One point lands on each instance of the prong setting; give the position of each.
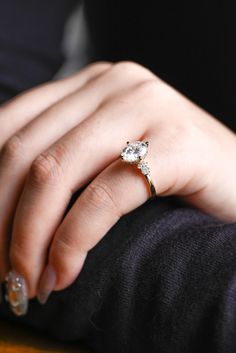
(134, 152)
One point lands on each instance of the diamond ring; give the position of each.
(135, 153)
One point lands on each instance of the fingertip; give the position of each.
(56, 278)
(47, 284)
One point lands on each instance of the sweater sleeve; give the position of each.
(30, 42)
(163, 279)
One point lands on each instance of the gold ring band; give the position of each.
(152, 187)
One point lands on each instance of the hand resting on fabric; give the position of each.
(68, 134)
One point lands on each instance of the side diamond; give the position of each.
(144, 168)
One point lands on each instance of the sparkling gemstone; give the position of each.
(134, 151)
(144, 168)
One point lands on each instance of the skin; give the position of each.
(68, 134)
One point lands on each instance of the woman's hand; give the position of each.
(66, 135)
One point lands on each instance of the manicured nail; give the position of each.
(47, 284)
(16, 293)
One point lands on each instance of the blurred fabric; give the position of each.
(75, 43)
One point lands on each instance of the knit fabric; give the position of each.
(162, 280)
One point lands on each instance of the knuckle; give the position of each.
(94, 70)
(100, 195)
(63, 244)
(149, 89)
(125, 69)
(100, 65)
(45, 169)
(127, 66)
(13, 149)
(66, 244)
(132, 68)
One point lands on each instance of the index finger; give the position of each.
(20, 110)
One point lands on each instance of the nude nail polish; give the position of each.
(47, 284)
(16, 293)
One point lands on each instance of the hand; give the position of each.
(67, 135)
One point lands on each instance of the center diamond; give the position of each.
(134, 151)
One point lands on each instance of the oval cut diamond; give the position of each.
(134, 152)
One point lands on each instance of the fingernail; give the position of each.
(16, 293)
(47, 284)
